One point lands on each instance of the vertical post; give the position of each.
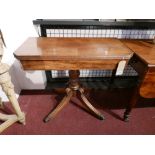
(74, 79)
(131, 104)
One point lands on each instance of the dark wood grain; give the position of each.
(147, 89)
(144, 49)
(145, 61)
(70, 64)
(92, 53)
(72, 49)
(74, 87)
(72, 54)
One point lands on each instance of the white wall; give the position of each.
(20, 78)
(16, 25)
(16, 18)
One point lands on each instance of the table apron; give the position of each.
(69, 65)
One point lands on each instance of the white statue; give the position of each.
(8, 88)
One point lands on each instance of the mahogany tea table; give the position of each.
(73, 54)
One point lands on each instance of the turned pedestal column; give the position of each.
(73, 88)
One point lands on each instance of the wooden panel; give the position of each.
(139, 66)
(145, 49)
(44, 48)
(68, 65)
(146, 77)
(147, 89)
(145, 65)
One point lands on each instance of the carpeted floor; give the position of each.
(75, 120)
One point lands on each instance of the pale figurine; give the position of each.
(8, 88)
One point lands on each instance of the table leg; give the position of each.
(89, 105)
(61, 105)
(74, 87)
(131, 104)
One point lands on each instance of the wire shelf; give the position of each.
(79, 29)
(90, 32)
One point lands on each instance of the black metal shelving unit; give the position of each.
(45, 24)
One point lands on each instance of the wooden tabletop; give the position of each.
(44, 48)
(144, 49)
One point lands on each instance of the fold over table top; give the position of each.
(43, 48)
(144, 49)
